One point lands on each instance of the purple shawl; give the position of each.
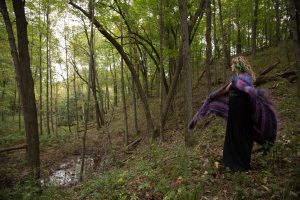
(265, 119)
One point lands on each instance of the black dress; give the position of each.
(238, 140)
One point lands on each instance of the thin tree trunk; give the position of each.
(67, 82)
(161, 30)
(224, 45)
(20, 110)
(114, 76)
(107, 93)
(277, 40)
(101, 100)
(228, 38)
(126, 139)
(134, 96)
(21, 62)
(40, 73)
(187, 70)
(47, 74)
(51, 88)
(56, 108)
(86, 113)
(93, 68)
(216, 42)
(15, 101)
(254, 27)
(239, 39)
(75, 99)
(295, 16)
(208, 45)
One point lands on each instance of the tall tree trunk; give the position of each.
(277, 40)
(101, 100)
(295, 16)
(75, 95)
(40, 73)
(216, 42)
(47, 74)
(254, 27)
(114, 76)
(187, 70)
(21, 62)
(238, 39)
(126, 139)
(67, 81)
(173, 86)
(161, 32)
(93, 68)
(228, 32)
(15, 100)
(135, 97)
(56, 108)
(224, 45)
(51, 87)
(107, 96)
(208, 45)
(20, 110)
(86, 118)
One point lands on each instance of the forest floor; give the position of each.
(169, 170)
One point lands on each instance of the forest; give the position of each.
(96, 97)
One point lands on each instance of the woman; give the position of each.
(250, 115)
(238, 140)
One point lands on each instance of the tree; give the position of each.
(93, 73)
(187, 70)
(123, 96)
(208, 45)
(224, 44)
(21, 60)
(295, 16)
(48, 67)
(254, 27)
(277, 39)
(170, 97)
(40, 72)
(161, 30)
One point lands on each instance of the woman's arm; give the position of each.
(224, 91)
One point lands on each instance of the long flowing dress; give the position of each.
(238, 140)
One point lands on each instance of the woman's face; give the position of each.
(233, 66)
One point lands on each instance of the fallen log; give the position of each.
(290, 75)
(24, 146)
(270, 68)
(134, 143)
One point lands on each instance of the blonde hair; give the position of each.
(241, 60)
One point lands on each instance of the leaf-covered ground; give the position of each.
(169, 170)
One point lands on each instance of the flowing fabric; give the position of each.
(264, 117)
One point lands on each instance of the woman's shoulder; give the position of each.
(244, 77)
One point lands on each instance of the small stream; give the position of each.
(68, 172)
